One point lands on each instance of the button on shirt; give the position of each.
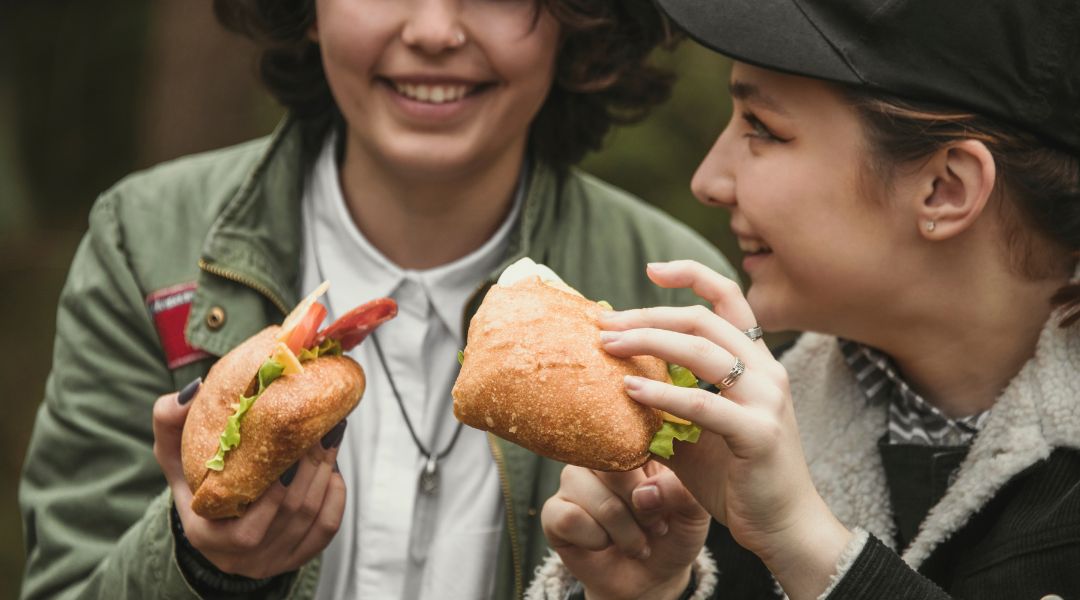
(395, 542)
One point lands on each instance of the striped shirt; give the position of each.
(912, 420)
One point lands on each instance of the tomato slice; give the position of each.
(303, 334)
(355, 325)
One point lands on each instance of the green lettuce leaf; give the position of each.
(663, 442)
(230, 438)
(681, 376)
(460, 357)
(329, 347)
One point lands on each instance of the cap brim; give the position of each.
(774, 34)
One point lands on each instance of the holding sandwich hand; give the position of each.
(626, 535)
(292, 522)
(748, 468)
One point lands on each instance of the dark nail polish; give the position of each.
(336, 468)
(188, 392)
(333, 437)
(287, 477)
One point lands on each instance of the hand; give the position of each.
(282, 530)
(748, 468)
(626, 535)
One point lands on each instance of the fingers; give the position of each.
(324, 526)
(706, 409)
(704, 358)
(691, 320)
(304, 499)
(169, 414)
(722, 293)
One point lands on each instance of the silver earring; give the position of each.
(930, 225)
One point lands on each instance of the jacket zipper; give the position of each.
(247, 281)
(511, 522)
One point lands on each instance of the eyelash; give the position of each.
(760, 131)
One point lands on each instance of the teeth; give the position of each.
(753, 247)
(432, 94)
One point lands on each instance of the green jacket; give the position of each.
(94, 502)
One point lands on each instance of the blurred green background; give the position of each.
(92, 91)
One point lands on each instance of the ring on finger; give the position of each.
(736, 371)
(754, 333)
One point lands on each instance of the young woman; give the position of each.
(429, 143)
(904, 178)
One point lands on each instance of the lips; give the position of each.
(753, 247)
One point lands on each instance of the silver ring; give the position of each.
(736, 371)
(754, 333)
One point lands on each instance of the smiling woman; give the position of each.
(428, 144)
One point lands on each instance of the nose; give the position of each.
(434, 26)
(713, 183)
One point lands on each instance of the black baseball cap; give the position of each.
(1014, 60)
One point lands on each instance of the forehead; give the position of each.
(788, 95)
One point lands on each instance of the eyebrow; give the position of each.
(748, 92)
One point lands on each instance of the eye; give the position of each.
(759, 130)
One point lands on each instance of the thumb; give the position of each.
(663, 493)
(170, 413)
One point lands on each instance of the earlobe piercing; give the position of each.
(930, 225)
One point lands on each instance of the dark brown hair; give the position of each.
(602, 75)
(1039, 184)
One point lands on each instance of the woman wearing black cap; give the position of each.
(904, 178)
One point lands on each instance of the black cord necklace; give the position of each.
(429, 477)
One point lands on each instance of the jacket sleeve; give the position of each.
(93, 501)
(878, 572)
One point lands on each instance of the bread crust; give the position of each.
(292, 415)
(535, 374)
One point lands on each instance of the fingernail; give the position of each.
(645, 552)
(646, 497)
(658, 266)
(633, 383)
(610, 336)
(660, 529)
(188, 392)
(333, 438)
(287, 477)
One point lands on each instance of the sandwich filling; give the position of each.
(300, 340)
(283, 362)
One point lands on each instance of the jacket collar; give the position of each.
(1037, 412)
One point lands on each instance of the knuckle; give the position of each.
(246, 539)
(610, 510)
(328, 524)
(699, 405)
(700, 347)
(309, 510)
(291, 504)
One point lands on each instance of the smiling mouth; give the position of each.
(754, 248)
(430, 93)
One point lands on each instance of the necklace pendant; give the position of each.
(429, 477)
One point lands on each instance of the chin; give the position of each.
(771, 314)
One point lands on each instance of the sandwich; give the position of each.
(267, 401)
(534, 373)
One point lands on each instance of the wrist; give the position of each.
(203, 576)
(678, 587)
(804, 556)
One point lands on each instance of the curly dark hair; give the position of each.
(602, 77)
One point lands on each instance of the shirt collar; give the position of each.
(342, 248)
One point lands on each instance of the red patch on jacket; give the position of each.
(170, 308)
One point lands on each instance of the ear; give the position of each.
(963, 181)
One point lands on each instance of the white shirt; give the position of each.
(395, 542)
